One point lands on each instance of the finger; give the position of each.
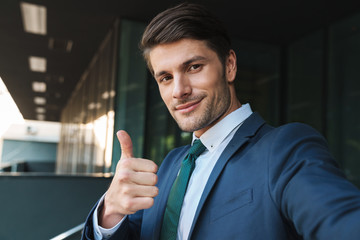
(135, 204)
(144, 165)
(125, 144)
(145, 202)
(144, 178)
(138, 165)
(144, 191)
(129, 176)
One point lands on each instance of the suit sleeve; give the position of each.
(308, 187)
(129, 229)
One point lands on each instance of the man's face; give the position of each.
(193, 83)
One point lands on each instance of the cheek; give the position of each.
(210, 78)
(165, 95)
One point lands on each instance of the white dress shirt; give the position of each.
(215, 140)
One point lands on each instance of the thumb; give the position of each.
(125, 144)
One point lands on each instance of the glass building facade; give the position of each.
(314, 80)
(85, 144)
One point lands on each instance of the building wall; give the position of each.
(26, 151)
(313, 79)
(42, 206)
(30, 141)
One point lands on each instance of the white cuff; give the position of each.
(100, 232)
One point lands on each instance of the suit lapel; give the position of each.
(243, 134)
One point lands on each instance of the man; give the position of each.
(248, 181)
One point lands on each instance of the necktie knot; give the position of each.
(197, 148)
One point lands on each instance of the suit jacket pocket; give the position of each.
(232, 203)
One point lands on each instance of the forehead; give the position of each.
(177, 53)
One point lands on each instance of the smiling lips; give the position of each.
(187, 107)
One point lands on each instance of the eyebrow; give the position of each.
(184, 64)
(193, 59)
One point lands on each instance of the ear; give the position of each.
(231, 67)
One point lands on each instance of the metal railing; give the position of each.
(73, 233)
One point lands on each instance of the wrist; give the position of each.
(107, 218)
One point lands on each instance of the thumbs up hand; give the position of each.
(132, 188)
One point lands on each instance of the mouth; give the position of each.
(188, 107)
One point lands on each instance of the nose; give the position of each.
(182, 87)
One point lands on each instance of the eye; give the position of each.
(195, 67)
(165, 78)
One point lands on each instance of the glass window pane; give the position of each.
(305, 79)
(257, 80)
(344, 95)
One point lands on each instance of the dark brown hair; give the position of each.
(186, 20)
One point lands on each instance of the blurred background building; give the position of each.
(74, 71)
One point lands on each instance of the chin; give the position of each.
(187, 127)
(191, 125)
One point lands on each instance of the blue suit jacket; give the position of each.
(269, 183)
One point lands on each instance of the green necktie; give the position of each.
(177, 193)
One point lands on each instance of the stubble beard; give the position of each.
(214, 109)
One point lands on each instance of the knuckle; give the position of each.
(128, 204)
(126, 190)
(124, 176)
(125, 163)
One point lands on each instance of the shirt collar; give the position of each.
(216, 134)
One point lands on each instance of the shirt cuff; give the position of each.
(100, 232)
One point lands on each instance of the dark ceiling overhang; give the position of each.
(85, 23)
